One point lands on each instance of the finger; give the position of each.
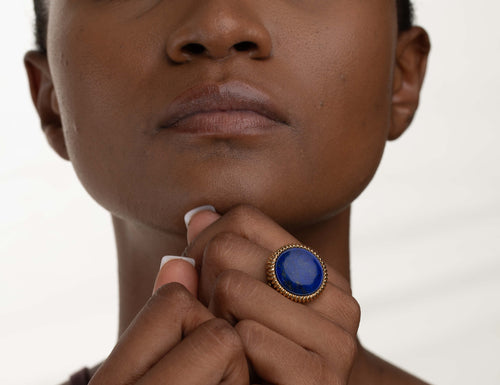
(339, 307)
(278, 360)
(211, 355)
(171, 313)
(177, 269)
(238, 297)
(251, 224)
(245, 221)
(198, 219)
(228, 251)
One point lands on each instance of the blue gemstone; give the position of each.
(299, 271)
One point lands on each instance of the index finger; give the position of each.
(245, 221)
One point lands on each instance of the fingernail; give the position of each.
(168, 258)
(190, 214)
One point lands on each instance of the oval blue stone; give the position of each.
(299, 271)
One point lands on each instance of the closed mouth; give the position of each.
(222, 108)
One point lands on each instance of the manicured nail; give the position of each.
(168, 258)
(190, 214)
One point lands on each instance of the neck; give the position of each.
(140, 249)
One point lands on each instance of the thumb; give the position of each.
(198, 220)
(177, 269)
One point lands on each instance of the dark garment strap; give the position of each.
(80, 378)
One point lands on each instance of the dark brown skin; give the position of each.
(347, 82)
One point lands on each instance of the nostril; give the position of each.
(245, 46)
(193, 48)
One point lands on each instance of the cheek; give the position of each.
(104, 103)
(346, 103)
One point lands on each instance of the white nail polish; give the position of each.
(168, 258)
(190, 214)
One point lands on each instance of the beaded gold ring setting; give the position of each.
(297, 272)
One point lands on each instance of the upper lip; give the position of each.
(214, 97)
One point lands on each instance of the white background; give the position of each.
(426, 266)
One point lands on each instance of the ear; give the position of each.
(412, 51)
(45, 100)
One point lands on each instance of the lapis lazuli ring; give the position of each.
(297, 272)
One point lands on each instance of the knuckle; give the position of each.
(349, 351)
(341, 308)
(250, 332)
(355, 311)
(331, 339)
(228, 291)
(172, 296)
(171, 291)
(343, 345)
(171, 301)
(325, 374)
(227, 286)
(351, 346)
(222, 336)
(320, 371)
(336, 379)
(219, 246)
(245, 210)
(352, 311)
(243, 214)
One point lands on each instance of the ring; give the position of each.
(297, 272)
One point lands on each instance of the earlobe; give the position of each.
(45, 100)
(411, 62)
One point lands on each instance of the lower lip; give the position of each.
(224, 123)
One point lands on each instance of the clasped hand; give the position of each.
(225, 325)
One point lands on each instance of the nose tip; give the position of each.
(218, 36)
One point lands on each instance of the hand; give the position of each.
(286, 342)
(175, 340)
